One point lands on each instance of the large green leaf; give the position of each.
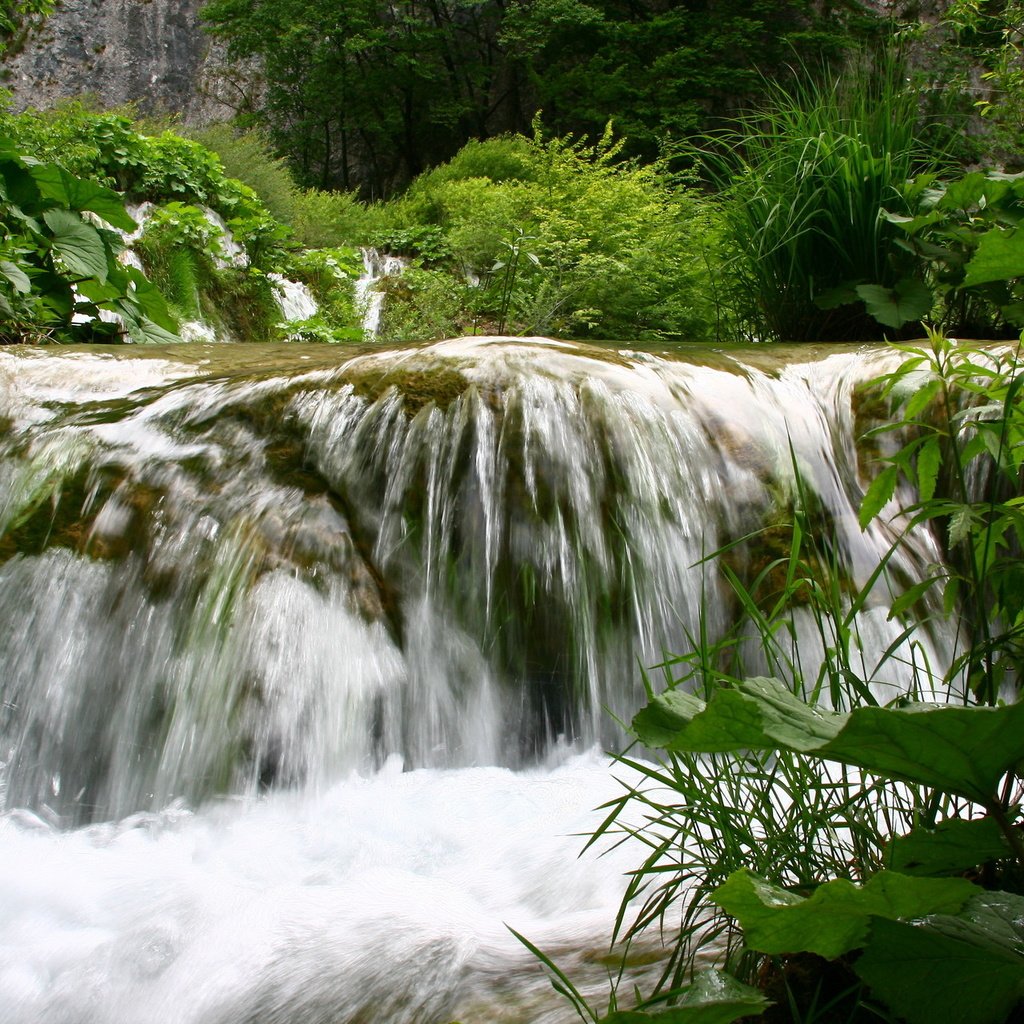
(140, 328)
(713, 998)
(951, 847)
(82, 194)
(148, 299)
(836, 917)
(999, 257)
(78, 244)
(16, 276)
(967, 967)
(957, 749)
(908, 300)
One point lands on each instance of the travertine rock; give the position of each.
(150, 52)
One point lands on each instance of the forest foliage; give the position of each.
(369, 94)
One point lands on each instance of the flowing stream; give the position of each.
(308, 655)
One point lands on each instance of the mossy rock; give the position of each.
(418, 387)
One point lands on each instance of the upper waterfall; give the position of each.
(227, 570)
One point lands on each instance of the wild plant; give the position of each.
(804, 180)
(856, 860)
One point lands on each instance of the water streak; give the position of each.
(303, 650)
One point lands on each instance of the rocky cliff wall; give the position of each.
(150, 52)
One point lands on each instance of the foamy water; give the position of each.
(381, 898)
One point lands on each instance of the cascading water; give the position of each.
(369, 298)
(306, 654)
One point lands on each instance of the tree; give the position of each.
(366, 93)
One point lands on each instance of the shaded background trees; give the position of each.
(367, 94)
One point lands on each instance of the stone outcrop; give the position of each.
(153, 53)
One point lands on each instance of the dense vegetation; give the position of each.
(369, 94)
(838, 206)
(833, 209)
(857, 862)
(206, 241)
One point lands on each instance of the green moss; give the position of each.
(439, 386)
(243, 305)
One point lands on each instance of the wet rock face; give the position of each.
(150, 52)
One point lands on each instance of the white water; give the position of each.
(294, 299)
(369, 298)
(380, 898)
(259, 582)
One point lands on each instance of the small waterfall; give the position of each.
(284, 626)
(294, 299)
(376, 267)
(457, 555)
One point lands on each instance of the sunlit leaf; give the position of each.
(999, 257)
(82, 194)
(78, 244)
(878, 495)
(836, 917)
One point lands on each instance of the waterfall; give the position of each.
(294, 299)
(369, 298)
(306, 653)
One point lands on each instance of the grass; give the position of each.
(803, 183)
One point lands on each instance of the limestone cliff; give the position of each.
(151, 52)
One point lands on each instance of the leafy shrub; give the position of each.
(330, 275)
(247, 157)
(108, 148)
(424, 305)
(804, 181)
(616, 250)
(969, 250)
(59, 268)
(319, 220)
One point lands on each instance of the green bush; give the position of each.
(330, 274)
(319, 220)
(424, 305)
(615, 250)
(110, 149)
(804, 181)
(969, 251)
(59, 268)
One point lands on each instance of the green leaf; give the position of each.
(951, 847)
(713, 998)
(964, 750)
(911, 596)
(945, 968)
(999, 257)
(18, 278)
(82, 194)
(929, 459)
(878, 495)
(961, 523)
(141, 329)
(147, 298)
(909, 300)
(836, 918)
(921, 398)
(833, 298)
(78, 244)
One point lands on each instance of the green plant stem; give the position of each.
(1013, 836)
